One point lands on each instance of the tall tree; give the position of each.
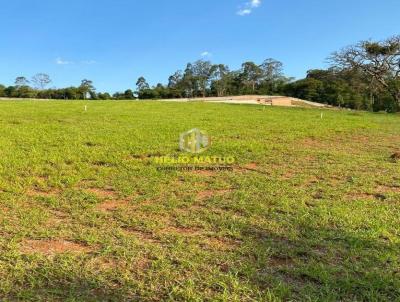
(202, 73)
(272, 70)
(220, 77)
(380, 61)
(251, 75)
(175, 79)
(87, 89)
(142, 84)
(21, 81)
(188, 81)
(41, 80)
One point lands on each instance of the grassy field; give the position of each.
(309, 212)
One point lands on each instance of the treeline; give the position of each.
(204, 79)
(23, 89)
(342, 88)
(363, 76)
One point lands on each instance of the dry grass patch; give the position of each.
(279, 262)
(365, 196)
(102, 193)
(112, 205)
(52, 247)
(41, 193)
(380, 193)
(312, 143)
(221, 244)
(251, 167)
(388, 189)
(142, 236)
(58, 218)
(211, 193)
(184, 231)
(103, 264)
(288, 175)
(354, 143)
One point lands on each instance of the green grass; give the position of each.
(310, 212)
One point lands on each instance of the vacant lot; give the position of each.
(310, 211)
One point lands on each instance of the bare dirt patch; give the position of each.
(221, 244)
(112, 205)
(102, 193)
(388, 189)
(51, 247)
(312, 143)
(251, 167)
(379, 193)
(140, 235)
(395, 156)
(288, 175)
(211, 193)
(312, 180)
(58, 218)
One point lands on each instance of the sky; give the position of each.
(114, 42)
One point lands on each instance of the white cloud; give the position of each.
(244, 12)
(248, 7)
(206, 54)
(60, 61)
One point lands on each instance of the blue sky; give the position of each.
(115, 42)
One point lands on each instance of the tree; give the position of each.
(272, 78)
(175, 85)
(142, 84)
(220, 77)
(379, 61)
(21, 81)
(129, 95)
(175, 79)
(87, 89)
(22, 88)
(104, 96)
(41, 80)
(251, 75)
(71, 93)
(271, 69)
(143, 89)
(202, 72)
(188, 81)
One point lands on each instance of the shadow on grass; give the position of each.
(325, 264)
